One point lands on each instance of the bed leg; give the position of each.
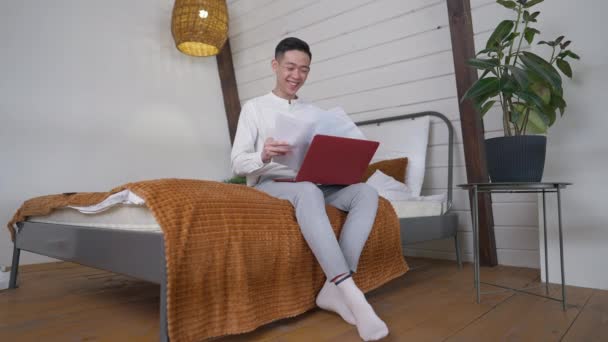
(164, 331)
(14, 267)
(457, 247)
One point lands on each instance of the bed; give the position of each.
(67, 236)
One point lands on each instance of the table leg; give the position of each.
(561, 246)
(546, 252)
(476, 242)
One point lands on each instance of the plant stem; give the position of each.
(525, 121)
(551, 61)
(504, 113)
(510, 106)
(521, 38)
(508, 58)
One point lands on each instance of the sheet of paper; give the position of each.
(298, 134)
(337, 123)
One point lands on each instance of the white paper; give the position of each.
(337, 123)
(299, 132)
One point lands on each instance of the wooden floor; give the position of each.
(433, 302)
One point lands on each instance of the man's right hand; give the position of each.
(273, 148)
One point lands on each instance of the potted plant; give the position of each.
(528, 88)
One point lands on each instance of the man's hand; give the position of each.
(273, 148)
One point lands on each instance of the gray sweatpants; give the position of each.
(361, 202)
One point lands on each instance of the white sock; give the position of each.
(330, 298)
(369, 325)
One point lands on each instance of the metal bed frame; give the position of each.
(113, 250)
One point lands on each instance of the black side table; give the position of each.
(544, 188)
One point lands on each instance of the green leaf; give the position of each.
(541, 67)
(488, 51)
(487, 72)
(507, 3)
(529, 33)
(483, 87)
(508, 85)
(559, 103)
(530, 18)
(484, 109)
(565, 44)
(534, 15)
(567, 53)
(502, 30)
(483, 64)
(572, 54)
(543, 42)
(532, 99)
(510, 37)
(559, 39)
(520, 75)
(532, 3)
(517, 113)
(551, 116)
(564, 67)
(537, 123)
(542, 90)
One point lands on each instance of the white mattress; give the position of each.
(121, 216)
(140, 218)
(406, 209)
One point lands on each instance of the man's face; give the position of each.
(291, 70)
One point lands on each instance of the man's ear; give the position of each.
(274, 64)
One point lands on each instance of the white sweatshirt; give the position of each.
(256, 122)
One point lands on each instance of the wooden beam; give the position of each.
(463, 48)
(230, 92)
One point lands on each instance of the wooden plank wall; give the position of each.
(378, 58)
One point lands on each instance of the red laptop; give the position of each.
(335, 160)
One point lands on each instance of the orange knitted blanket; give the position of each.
(235, 256)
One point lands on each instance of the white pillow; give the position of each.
(403, 138)
(388, 187)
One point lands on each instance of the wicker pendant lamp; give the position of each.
(200, 27)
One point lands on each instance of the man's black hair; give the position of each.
(291, 43)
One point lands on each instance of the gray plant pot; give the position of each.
(517, 158)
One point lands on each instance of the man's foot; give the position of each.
(369, 325)
(330, 298)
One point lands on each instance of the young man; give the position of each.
(252, 155)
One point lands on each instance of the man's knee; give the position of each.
(365, 190)
(308, 191)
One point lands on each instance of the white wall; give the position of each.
(378, 58)
(577, 151)
(93, 94)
